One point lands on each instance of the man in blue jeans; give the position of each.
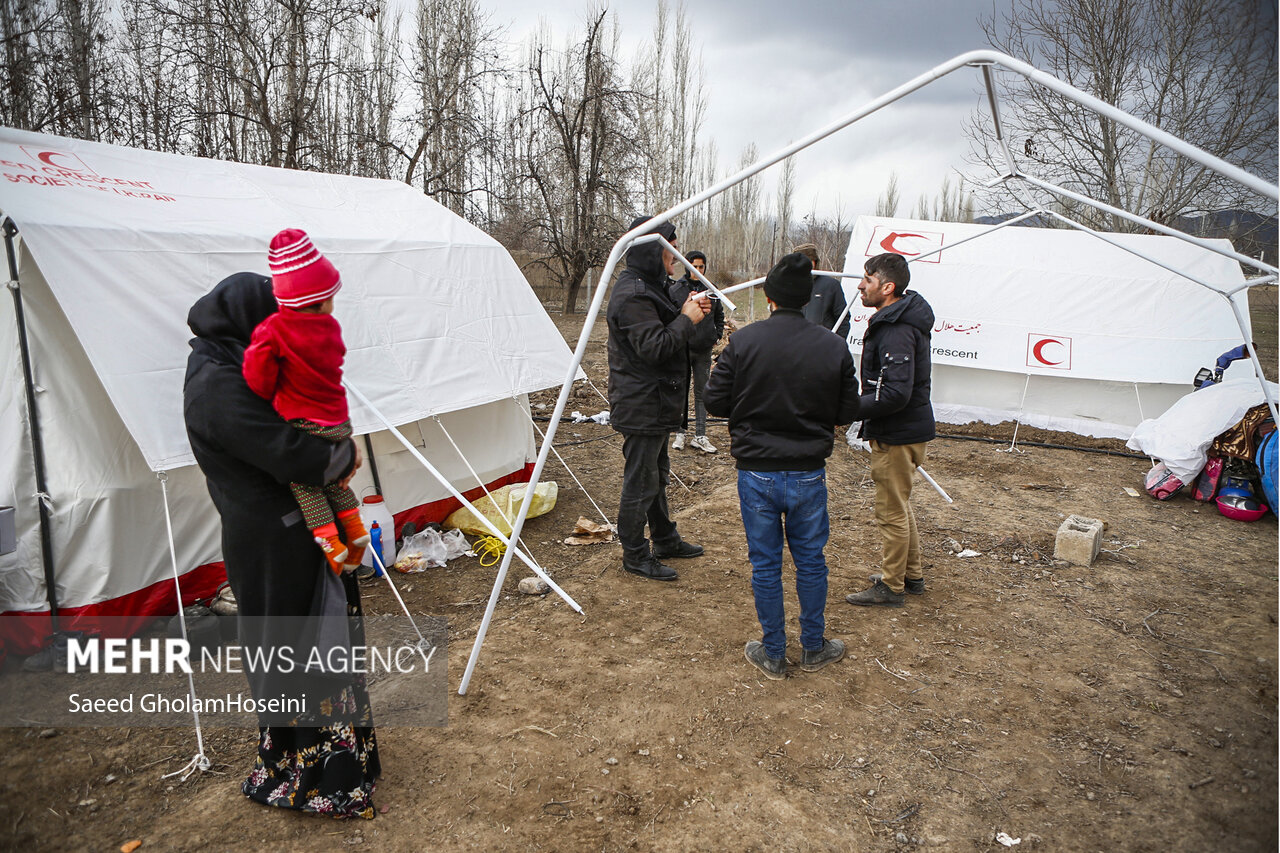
(784, 383)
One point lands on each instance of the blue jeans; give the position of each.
(797, 501)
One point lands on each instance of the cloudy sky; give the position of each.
(776, 71)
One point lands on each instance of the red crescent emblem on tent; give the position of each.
(888, 243)
(46, 157)
(1038, 351)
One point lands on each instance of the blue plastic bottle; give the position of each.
(375, 542)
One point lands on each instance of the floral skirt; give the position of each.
(327, 770)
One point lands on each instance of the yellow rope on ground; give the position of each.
(489, 549)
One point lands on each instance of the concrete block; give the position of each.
(1078, 540)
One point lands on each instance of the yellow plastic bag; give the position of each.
(508, 498)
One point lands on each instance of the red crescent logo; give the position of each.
(888, 246)
(1038, 351)
(46, 157)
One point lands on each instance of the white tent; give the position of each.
(1055, 328)
(113, 246)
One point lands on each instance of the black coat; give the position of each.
(249, 455)
(896, 368)
(648, 346)
(711, 329)
(827, 304)
(783, 383)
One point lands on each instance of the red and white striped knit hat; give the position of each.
(300, 275)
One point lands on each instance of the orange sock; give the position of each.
(334, 551)
(357, 537)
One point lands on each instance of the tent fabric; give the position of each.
(1180, 437)
(138, 236)
(1107, 338)
(437, 317)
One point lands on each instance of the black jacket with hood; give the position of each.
(648, 345)
(783, 383)
(827, 304)
(896, 369)
(249, 455)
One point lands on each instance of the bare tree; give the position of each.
(455, 57)
(1204, 72)
(579, 151)
(786, 191)
(671, 100)
(887, 204)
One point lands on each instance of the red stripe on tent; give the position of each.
(25, 632)
(439, 510)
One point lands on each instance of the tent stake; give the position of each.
(37, 443)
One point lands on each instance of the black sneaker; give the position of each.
(915, 586)
(648, 566)
(831, 651)
(878, 595)
(680, 550)
(775, 668)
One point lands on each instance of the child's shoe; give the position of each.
(357, 538)
(334, 551)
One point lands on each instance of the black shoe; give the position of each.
(775, 668)
(677, 551)
(649, 567)
(876, 595)
(831, 651)
(915, 586)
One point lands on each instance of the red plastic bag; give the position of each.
(1161, 484)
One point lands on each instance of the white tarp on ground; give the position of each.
(116, 244)
(1180, 438)
(1096, 338)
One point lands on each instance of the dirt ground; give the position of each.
(1127, 706)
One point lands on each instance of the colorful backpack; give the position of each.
(1206, 485)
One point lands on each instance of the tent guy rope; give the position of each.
(199, 763)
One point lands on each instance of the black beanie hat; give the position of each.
(790, 283)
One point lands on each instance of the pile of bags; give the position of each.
(1222, 442)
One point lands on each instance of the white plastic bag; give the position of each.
(455, 544)
(852, 437)
(421, 551)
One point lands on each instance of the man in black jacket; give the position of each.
(827, 303)
(704, 339)
(784, 384)
(897, 419)
(648, 370)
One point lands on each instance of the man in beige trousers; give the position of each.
(897, 420)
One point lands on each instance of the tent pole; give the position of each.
(373, 465)
(1253, 356)
(37, 443)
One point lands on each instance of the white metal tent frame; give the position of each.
(984, 60)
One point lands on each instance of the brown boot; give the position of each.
(878, 595)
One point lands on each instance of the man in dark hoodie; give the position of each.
(648, 368)
(897, 419)
(827, 303)
(784, 384)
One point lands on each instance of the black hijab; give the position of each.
(225, 317)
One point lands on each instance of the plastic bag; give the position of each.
(851, 436)
(507, 500)
(430, 549)
(455, 544)
(421, 551)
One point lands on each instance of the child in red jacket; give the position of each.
(295, 360)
